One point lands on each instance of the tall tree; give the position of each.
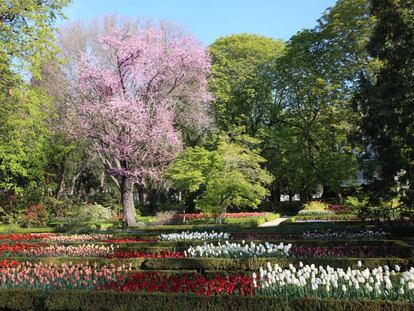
(385, 101)
(242, 93)
(130, 100)
(26, 38)
(23, 137)
(26, 35)
(307, 140)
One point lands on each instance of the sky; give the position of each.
(211, 19)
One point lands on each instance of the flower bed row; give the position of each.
(67, 276)
(273, 280)
(327, 235)
(239, 250)
(305, 281)
(217, 250)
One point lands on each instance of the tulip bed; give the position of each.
(243, 269)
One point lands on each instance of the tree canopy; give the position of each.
(242, 93)
(230, 175)
(385, 101)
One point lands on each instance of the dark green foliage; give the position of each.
(306, 141)
(385, 101)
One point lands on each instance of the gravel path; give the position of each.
(275, 222)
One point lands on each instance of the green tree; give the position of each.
(26, 39)
(385, 101)
(242, 93)
(230, 175)
(26, 36)
(307, 140)
(23, 138)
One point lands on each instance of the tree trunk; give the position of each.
(61, 178)
(73, 186)
(102, 182)
(339, 198)
(221, 216)
(60, 187)
(274, 196)
(127, 200)
(141, 199)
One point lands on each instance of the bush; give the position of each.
(166, 218)
(55, 207)
(287, 207)
(90, 214)
(327, 217)
(35, 215)
(315, 206)
(386, 210)
(339, 209)
(315, 212)
(10, 211)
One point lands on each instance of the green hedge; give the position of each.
(156, 247)
(8, 229)
(313, 304)
(224, 264)
(288, 228)
(36, 300)
(255, 221)
(221, 264)
(346, 217)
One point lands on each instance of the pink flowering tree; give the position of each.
(134, 96)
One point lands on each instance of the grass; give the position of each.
(13, 228)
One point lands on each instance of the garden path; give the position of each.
(275, 222)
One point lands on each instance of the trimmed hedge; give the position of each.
(336, 217)
(221, 264)
(224, 264)
(36, 300)
(284, 227)
(312, 304)
(307, 242)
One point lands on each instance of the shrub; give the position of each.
(10, 211)
(315, 206)
(339, 209)
(386, 210)
(327, 217)
(89, 214)
(35, 215)
(315, 212)
(166, 218)
(58, 208)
